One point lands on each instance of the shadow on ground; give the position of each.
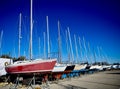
(71, 86)
(116, 85)
(113, 73)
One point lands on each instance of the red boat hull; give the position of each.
(40, 66)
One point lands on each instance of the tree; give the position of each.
(5, 56)
(21, 58)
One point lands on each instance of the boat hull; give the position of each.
(59, 68)
(96, 67)
(80, 67)
(69, 68)
(40, 66)
(58, 71)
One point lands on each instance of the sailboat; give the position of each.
(70, 67)
(78, 66)
(81, 66)
(96, 66)
(59, 67)
(31, 66)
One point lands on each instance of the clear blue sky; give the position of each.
(97, 20)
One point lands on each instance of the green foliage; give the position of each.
(5, 56)
(21, 58)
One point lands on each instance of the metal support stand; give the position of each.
(17, 83)
(7, 79)
(32, 81)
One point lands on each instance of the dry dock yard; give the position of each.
(99, 80)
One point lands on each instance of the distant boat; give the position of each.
(31, 66)
(80, 67)
(96, 67)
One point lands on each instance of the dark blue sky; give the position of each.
(97, 20)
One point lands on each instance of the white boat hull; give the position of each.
(98, 67)
(59, 68)
(4, 62)
(80, 67)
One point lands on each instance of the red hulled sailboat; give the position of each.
(34, 66)
(31, 66)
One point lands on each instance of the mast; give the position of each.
(94, 54)
(31, 28)
(67, 46)
(85, 49)
(44, 44)
(59, 44)
(99, 55)
(14, 53)
(1, 36)
(70, 44)
(89, 52)
(80, 48)
(102, 54)
(76, 48)
(19, 34)
(48, 36)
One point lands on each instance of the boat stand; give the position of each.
(17, 83)
(20, 79)
(32, 82)
(7, 79)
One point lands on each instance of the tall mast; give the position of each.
(67, 46)
(19, 35)
(70, 44)
(89, 52)
(1, 42)
(76, 48)
(80, 48)
(94, 54)
(85, 49)
(99, 55)
(59, 43)
(48, 36)
(102, 55)
(31, 28)
(44, 44)
(14, 53)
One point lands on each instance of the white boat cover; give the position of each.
(4, 62)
